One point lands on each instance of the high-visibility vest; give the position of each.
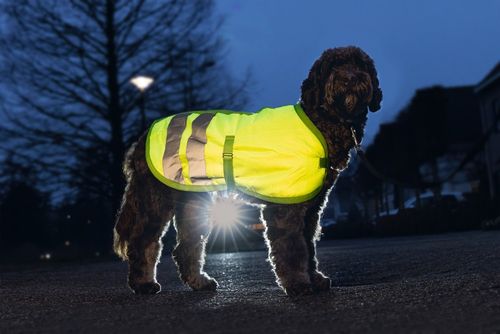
(275, 154)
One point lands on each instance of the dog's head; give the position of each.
(342, 85)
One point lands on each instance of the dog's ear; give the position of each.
(376, 98)
(369, 65)
(374, 104)
(311, 92)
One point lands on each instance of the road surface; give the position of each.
(433, 284)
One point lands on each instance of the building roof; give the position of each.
(489, 79)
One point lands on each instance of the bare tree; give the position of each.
(69, 111)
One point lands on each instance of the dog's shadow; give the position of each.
(178, 298)
(168, 297)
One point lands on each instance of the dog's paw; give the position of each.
(320, 282)
(149, 288)
(299, 289)
(203, 283)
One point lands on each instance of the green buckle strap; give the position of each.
(227, 156)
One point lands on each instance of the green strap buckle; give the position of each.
(227, 156)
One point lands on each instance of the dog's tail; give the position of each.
(127, 214)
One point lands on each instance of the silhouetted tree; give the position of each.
(66, 66)
(24, 210)
(387, 154)
(427, 116)
(368, 186)
(401, 147)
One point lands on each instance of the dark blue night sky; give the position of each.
(414, 44)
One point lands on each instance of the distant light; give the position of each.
(89, 221)
(68, 216)
(45, 256)
(225, 212)
(97, 254)
(142, 82)
(67, 243)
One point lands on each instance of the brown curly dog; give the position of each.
(341, 87)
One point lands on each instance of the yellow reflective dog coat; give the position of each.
(275, 154)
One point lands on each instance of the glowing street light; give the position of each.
(142, 83)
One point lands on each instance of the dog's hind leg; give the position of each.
(154, 213)
(145, 245)
(288, 251)
(193, 228)
(142, 220)
(312, 233)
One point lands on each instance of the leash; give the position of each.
(421, 185)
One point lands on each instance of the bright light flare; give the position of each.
(230, 215)
(225, 212)
(141, 82)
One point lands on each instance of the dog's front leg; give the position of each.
(193, 228)
(288, 252)
(312, 233)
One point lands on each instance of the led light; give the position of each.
(225, 212)
(230, 215)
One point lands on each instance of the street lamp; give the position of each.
(142, 83)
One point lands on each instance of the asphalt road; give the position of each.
(434, 284)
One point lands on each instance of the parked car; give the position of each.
(426, 200)
(327, 222)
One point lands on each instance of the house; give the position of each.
(488, 92)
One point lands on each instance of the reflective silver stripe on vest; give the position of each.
(172, 168)
(195, 150)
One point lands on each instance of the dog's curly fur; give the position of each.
(342, 85)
